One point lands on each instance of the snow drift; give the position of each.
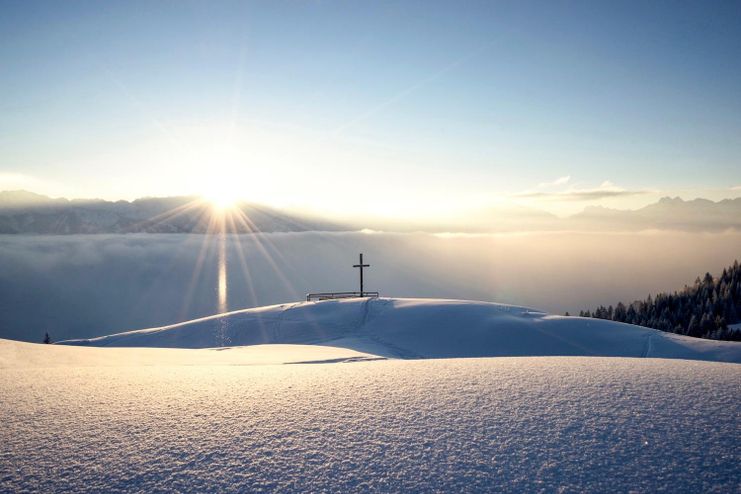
(423, 328)
(211, 419)
(540, 424)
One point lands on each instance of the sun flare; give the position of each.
(221, 203)
(222, 198)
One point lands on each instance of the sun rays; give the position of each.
(222, 197)
(230, 238)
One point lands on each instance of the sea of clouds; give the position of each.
(91, 285)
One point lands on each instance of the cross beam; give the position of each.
(361, 266)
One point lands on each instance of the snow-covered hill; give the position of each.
(423, 328)
(91, 419)
(102, 422)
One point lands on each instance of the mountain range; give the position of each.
(670, 213)
(26, 212)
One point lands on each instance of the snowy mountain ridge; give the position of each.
(423, 328)
(23, 212)
(26, 212)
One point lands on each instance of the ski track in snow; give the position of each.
(380, 306)
(647, 352)
(547, 424)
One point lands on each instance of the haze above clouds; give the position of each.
(91, 285)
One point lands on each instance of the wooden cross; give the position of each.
(361, 266)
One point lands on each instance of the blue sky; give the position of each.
(430, 107)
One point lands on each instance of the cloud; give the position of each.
(581, 195)
(90, 285)
(737, 187)
(559, 181)
(606, 189)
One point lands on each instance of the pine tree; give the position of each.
(705, 309)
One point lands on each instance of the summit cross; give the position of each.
(361, 266)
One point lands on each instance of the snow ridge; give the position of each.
(423, 328)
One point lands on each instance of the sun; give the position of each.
(222, 198)
(222, 203)
(222, 185)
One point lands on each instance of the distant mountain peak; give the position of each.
(668, 213)
(671, 200)
(22, 197)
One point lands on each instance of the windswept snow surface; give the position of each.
(209, 419)
(424, 328)
(18, 354)
(84, 423)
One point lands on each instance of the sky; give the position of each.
(408, 109)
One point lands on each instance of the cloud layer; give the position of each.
(81, 286)
(606, 190)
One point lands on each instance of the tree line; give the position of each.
(704, 310)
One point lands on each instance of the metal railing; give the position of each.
(334, 295)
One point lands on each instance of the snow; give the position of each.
(545, 424)
(424, 328)
(214, 406)
(18, 355)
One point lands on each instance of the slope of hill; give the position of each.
(423, 328)
(22, 355)
(707, 309)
